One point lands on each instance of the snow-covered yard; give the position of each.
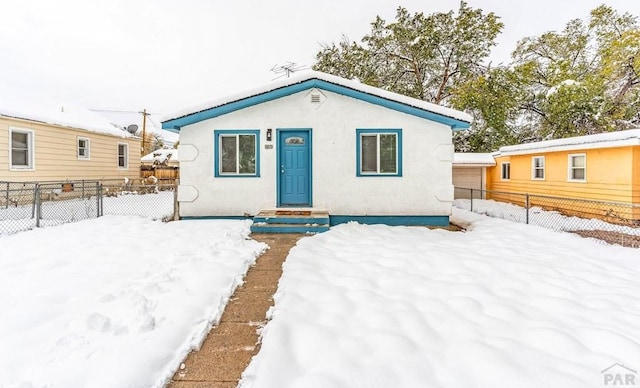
(501, 305)
(15, 219)
(538, 216)
(113, 302)
(120, 300)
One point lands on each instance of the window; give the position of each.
(537, 167)
(506, 171)
(379, 152)
(123, 155)
(21, 149)
(294, 140)
(237, 153)
(83, 148)
(578, 167)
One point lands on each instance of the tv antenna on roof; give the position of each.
(287, 69)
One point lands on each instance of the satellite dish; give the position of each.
(132, 129)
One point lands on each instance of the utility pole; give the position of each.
(144, 131)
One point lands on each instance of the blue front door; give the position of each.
(294, 157)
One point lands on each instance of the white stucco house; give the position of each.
(318, 143)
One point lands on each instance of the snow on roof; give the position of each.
(601, 140)
(470, 158)
(161, 155)
(126, 118)
(66, 115)
(310, 74)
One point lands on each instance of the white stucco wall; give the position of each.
(424, 189)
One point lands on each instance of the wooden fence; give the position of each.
(163, 173)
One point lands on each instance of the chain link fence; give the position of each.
(612, 222)
(28, 205)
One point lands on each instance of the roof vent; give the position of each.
(316, 97)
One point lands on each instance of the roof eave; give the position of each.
(573, 147)
(68, 126)
(176, 124)
(468, 164)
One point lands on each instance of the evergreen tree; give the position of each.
(493, 99)
(422, 56)
(584, 79)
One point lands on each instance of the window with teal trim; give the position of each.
(379, 152)
(237, 153)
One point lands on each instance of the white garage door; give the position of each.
(469, 178)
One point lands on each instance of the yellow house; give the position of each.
(602, 167)
(43, 142)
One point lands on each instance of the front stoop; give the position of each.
(291, 221)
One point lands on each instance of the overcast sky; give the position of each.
(166, 55)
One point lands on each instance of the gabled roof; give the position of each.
(312, 79)
(600, 140)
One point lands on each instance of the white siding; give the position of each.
(424, 189)
(56, 154)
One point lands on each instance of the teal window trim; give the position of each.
(218, 134)
(378, 132)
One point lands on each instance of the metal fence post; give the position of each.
(98, 199)
(38, 205)
(34, 203)
(618, 221)
(7, 203)
(101, 200)
(176, 204)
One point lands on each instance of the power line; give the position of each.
(121, 111)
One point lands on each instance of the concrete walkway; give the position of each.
(228, 348)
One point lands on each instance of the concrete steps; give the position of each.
(291, 221)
